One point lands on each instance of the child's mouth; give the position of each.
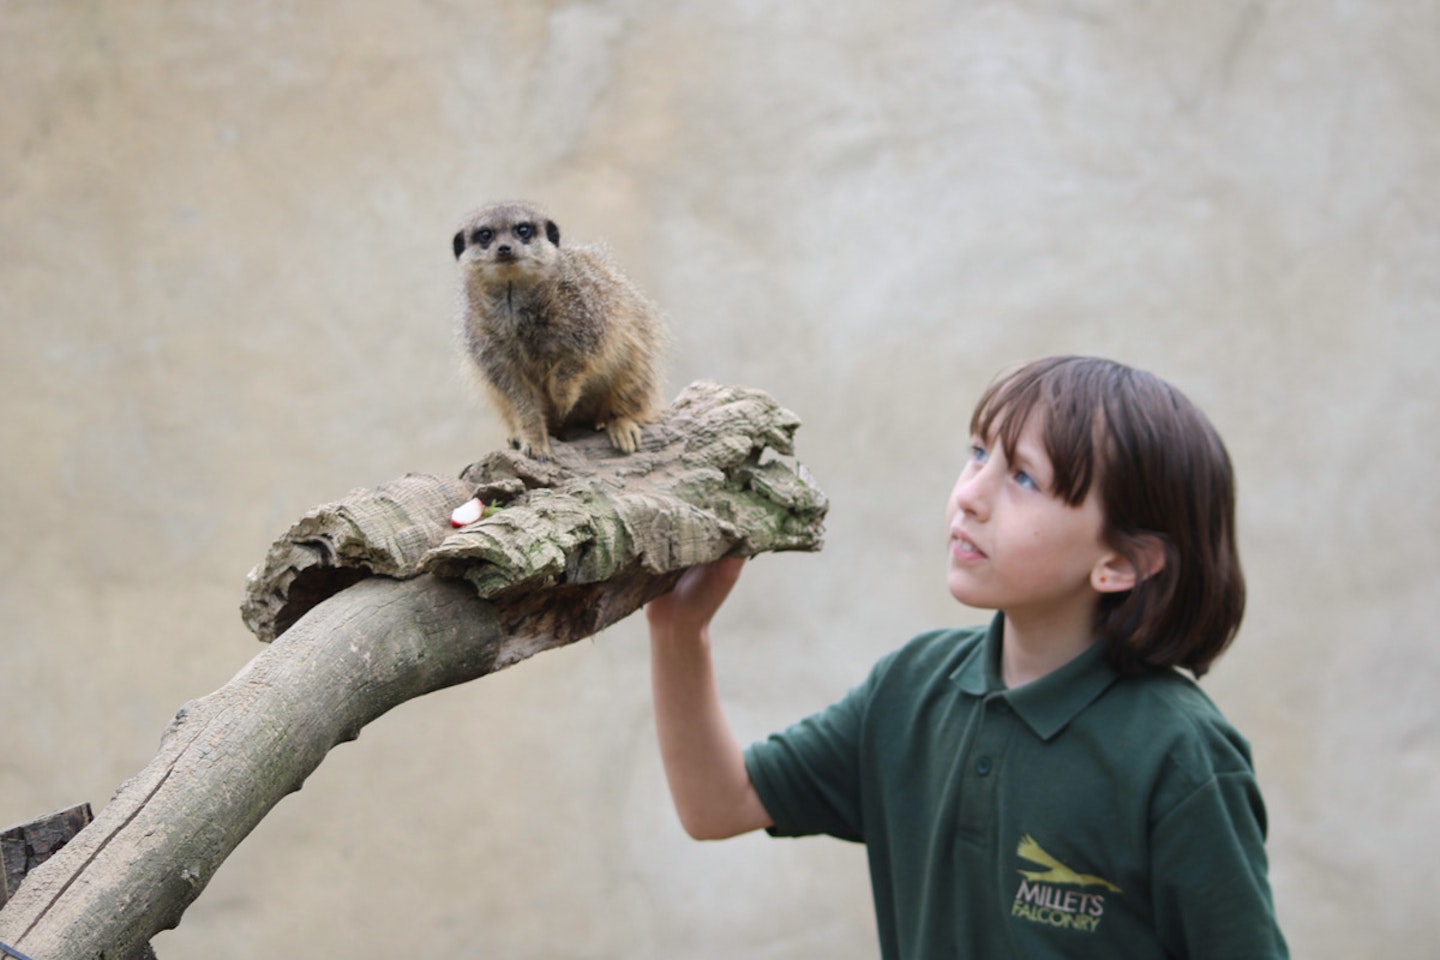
(962, 548)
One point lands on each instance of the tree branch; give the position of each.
(375, 600)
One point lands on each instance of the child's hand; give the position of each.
(689, 607)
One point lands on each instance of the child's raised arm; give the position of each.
(704, 764)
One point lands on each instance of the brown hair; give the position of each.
(1164, 480)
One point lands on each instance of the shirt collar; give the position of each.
(1046, 705)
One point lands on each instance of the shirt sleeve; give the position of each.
(1211, 888)
(808, 775)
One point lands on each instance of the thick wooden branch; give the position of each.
(375, 600)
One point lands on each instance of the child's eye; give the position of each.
(977, 453)
(1025, 480)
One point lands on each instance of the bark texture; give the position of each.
(25, 846)
(375, 600)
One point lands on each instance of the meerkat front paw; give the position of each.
(624, 434)
(535, 449)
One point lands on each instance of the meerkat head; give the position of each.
(507, 240)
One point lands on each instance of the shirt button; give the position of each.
(983, 766)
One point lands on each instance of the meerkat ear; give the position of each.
(459, 244)
(553, 232)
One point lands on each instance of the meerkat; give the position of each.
(558, 335)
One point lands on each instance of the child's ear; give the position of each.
(1117, 572)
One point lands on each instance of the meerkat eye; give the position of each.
(483, 236)
(525, 231)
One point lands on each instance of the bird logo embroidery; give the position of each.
(1056, 871)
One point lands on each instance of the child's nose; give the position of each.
(971, 495)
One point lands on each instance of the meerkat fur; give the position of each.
(559, 336)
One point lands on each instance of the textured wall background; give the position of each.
(226, 295)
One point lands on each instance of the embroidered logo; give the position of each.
(1043, 897)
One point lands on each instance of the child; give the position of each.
(1050, 785)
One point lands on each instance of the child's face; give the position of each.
(1014, 545)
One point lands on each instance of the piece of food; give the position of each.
(467, 513)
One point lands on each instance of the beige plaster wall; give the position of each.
(226, 295)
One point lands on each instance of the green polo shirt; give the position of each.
(1081, 815)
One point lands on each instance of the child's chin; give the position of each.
(964, 591)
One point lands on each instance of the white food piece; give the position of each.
(467, 513)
